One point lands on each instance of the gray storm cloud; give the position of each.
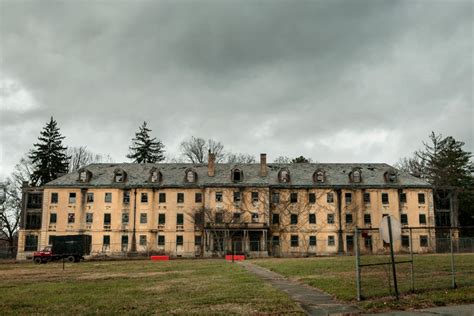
(349, 81)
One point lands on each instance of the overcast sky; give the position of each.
(337, 81)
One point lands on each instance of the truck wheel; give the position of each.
(37, 260)
(71, 259)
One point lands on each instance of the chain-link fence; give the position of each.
(426, 259)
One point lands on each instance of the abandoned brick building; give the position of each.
(209, 209)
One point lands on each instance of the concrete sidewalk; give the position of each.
(455, 310)
(313, 301)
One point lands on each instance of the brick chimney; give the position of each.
(211, 168)
(263, 165)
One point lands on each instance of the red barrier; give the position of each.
(236, 257)
(160, 258)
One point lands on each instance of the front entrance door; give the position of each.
(237, 243)
(255, 238)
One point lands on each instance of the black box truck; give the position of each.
(73, 248)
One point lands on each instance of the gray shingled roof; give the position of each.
(301, 175)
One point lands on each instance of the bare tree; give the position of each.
(412, 165)
(282, 159)
(196, 149)
(10, 216)
(81, 156)
(240, 158)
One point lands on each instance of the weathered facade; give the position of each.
(211, 209)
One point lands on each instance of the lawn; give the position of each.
(138, 287)
(336, 275)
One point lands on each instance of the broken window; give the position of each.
(106, 240)
(54, 198)
(367, 219)
(71, 218)
(348, 218)
(294, 197)
(143, 218)
(312, 240)
(180, 198)
(404, 219)
(144, 197)
(89, 218)
(312, 218)
(199, 218)
(421, 198)
(312, 198)
(284, 175)
(331, 240)
(161, 240)
(107, 219)
(125, 218)
(72, 197)
(198, 197)
(276, 240)
(275, 197)
(366, 197)
(162, 197)
(403, 197)
(275, 219)
(405, 241)
(237, 175)
(108, 197)
(161, 219)
(219, 218)
(356, 176)
(423, 241)
(142, 240)
(119, 175)
(330, 218)
(294, 240)
(236, 217)
(237, 196)
(53, 218)
(31, 243)
(179, 219)
(218, 196)
(330, 198)
(34, 200)
(255, 217)
(33, 220)
(197, 240)
(422, 218)
(190, 176)
(126, 196)
(384, 198)
(348, 198)
(179, 240)
(319, 176)
(254, 197)
(294, 219)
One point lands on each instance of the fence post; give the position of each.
(412, 269)
(356, 237)
(392, 256)
(453, 272)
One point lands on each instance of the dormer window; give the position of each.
(190, 176)
(155, 175)
(390, 176)
(84, 175)
(284, 176)
(237, 175)
(319, 176)
(356, 176)
(119, 176)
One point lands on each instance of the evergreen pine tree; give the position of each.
(145, 149)
(49, 157)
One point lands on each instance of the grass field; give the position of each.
(138, 287)
(336, 275)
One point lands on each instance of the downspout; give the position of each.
(134, 239)
(340, 241)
